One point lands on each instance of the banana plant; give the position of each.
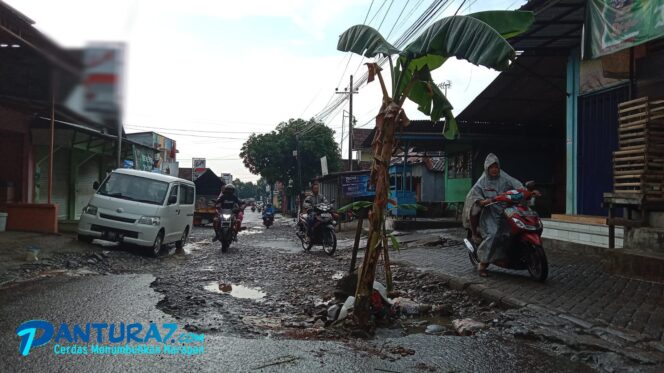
(479, 38)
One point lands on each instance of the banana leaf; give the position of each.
(429, 98)
(395, 242)
(508, 23)
(409, 206)
(365, 40)
(463, 37)
(358, 205)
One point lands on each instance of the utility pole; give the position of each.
(298, 156)
(350, 120)
(445, 85)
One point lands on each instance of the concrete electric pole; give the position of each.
(350, 94)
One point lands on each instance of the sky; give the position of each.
(209, 73)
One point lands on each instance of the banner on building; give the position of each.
(356, 186)
(197, 167)
(103, 72)
(620, 24)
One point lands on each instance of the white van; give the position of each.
(139, 207)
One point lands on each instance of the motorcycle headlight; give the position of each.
(519, 223)
(226, 216)
(90, 210)
(149, 220)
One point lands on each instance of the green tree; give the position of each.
(479, 38)
(245, 190)
(271, 155)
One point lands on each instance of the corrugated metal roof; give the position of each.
(557, 26)
(533, 91)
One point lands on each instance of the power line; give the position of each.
(458, 9)
(385, 16)
(347, 63)
(188, 130)
(397, 20)
(435, 8)
(203, 136)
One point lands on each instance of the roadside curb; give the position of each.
(480, 289)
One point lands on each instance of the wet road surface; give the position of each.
(255, 306)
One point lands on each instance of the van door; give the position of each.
(171, 217)
(187, 198)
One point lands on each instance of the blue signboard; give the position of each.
(357, 186)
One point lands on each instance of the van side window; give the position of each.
(186, 195)
(174, 193)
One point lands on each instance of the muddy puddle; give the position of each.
(235, 290)
(251, 231)
(428, 324)
(190, 247)
(290, 245)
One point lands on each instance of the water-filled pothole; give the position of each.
(235, 291)
(430, 324)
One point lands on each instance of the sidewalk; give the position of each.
(577, 287)
(19, 248)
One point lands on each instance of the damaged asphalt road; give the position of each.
(262, 306)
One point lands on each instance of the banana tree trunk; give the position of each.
(390, 117)
(382, 144)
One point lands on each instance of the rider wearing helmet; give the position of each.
(228, 200)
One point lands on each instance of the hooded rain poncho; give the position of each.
(492, 226)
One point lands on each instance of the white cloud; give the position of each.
(180, 78)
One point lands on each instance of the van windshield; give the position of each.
(134, 188)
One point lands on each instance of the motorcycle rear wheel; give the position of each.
(329, 242)
(538, 266)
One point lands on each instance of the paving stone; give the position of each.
(577, 286)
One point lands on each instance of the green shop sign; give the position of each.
(614, 25)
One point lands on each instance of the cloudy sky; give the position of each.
(208, 73)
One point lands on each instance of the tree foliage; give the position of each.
(244, 190)
(271, 155)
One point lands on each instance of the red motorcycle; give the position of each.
(524, 245)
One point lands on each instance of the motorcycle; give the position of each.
(322, 232)
(224, 228)
(268, 219)
(524, 244)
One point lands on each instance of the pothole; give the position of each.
(235, 291)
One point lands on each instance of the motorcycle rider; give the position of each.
(228, 200)
(493, 228)
(268, 210)
(310, 202)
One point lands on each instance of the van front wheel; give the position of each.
(158, 242)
